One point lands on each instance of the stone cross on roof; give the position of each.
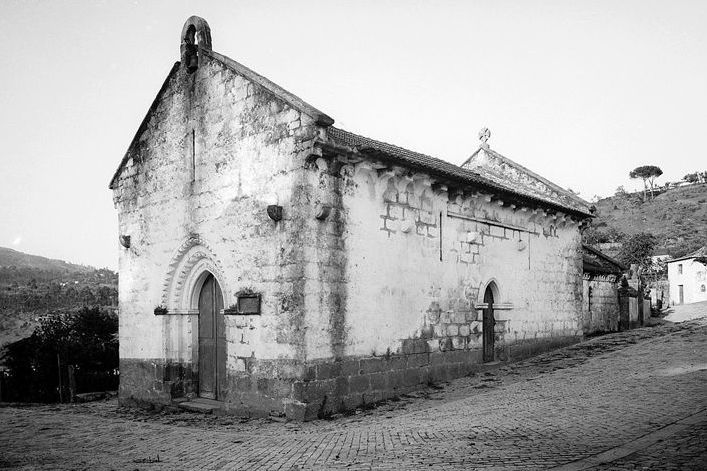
(484, 136)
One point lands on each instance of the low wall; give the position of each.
(600, 308)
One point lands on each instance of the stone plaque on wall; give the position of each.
(246, 304)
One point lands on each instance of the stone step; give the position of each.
(202, 405)
(207, 401)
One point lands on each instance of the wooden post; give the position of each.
(58, 366)
(72, 383)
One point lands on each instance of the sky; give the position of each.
(580, 92)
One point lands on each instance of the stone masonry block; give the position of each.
(379, 381)
(439, 373)
(411, 377)
(308, 391)
(352, 401)
(395, 379)
(417, 360)
(360, 383)
(465, 257)
(445, 344)
(372, 365)
(395, 362)
(350, 367)
(428, 217)
(440, 330)
(395, 211)
(372, 397)
(341, 387)
(301, 412)
(476, 327)
(459, 343)
(328, 370)
(438, 358)
(433, 345)
(411, 346)
(433, 315)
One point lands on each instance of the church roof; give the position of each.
(289, 98)
(499, 168)
(558, 198)
(294, 101)
(596, 262)
(446, 169)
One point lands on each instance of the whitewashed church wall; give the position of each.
(398, 289)
(217, 150)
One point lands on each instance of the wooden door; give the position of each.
(212, 340)
(681, 294)
(488, 325)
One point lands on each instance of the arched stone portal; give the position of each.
(188, 270)
(194, 295)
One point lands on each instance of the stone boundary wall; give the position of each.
(600, 307)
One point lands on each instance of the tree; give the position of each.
(86, 340)
(648, 173)
(691, 177)
(596, 235)
(638, 249)
(696, 177)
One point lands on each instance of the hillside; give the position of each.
(32, 286)
(10, 257)
(677, 217)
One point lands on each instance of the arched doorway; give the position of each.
(488, 324)
(212, 339)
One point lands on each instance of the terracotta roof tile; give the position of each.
(444, 169)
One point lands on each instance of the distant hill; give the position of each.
(32, 286)
(677, 217)
(10, 257)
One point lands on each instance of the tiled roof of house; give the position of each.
(596, 262)
(699, 253)
(445, 169)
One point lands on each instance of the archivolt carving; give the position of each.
(189, 267)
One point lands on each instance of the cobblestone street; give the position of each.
(631, 400)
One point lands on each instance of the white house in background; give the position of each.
(688, 278)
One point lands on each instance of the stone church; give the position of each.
(272, 263)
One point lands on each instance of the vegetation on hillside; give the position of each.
(647, 173)
(696, 177)
(32, 287)
(677, 218)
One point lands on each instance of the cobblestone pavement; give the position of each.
(631, 400)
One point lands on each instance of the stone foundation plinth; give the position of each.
(307, 391)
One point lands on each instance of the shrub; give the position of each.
(86, 340)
